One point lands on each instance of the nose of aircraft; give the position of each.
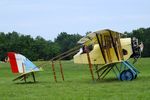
(137, 48)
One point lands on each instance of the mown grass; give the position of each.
(78, 84)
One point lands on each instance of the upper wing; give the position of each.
(92, 39)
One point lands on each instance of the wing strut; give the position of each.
(89, 60)
(33, 76)
(60, 57)
(53, 68)
(61, 70)
(100, 46)
(112, 39)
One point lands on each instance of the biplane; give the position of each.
(21, 64)
(106, 50)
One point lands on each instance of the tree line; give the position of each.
(40, 49)
(143, 34)
(36, 48)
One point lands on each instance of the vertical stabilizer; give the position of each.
(21, 64)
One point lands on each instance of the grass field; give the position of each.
(78, 84)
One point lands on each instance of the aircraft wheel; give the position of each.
(123, 76)
(129, 75)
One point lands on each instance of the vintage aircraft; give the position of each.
(107, 50)
(20, 64)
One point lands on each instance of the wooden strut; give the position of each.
(107, 42)
(119, 47)
(33, 77)
(90, 65)
(100, 69)
(73, 52)
(109, 69)
(100, 46)
(61, 70)
(54, 71)
(66, 53)
(61, 56)
(106, 71)
(103, 47)
(96, 67)
(114, 45)
(24, 76)
(106, 68)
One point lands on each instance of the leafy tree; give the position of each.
(39, 48)
(143, 34)
(67, 41)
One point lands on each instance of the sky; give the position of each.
(47, 18)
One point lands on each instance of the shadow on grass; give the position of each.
(85, 81)
(29, 82)
(108, 80)
(141, 78)
(115, 80)
(37, 82)
(90, 81)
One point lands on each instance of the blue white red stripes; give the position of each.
(20, 64)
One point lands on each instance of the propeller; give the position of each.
(137, 49)
(141, 45)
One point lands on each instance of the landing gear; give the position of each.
(127, 75)
(125, 72)
(123, 76)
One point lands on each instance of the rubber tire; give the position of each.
(122, 75)
(129, 75)
(134, 76)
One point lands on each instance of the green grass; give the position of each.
(78, 84)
